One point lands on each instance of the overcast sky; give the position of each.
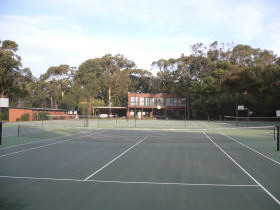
(54, 32)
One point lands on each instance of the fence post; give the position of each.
(278, 137)
(0, 133)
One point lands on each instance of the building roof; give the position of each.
(107, 107)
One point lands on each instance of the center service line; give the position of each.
(134, 145)
(246, 172)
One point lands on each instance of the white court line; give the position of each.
(33, 148)
(129, 182)
(265, 156)
(134, 145)
(183, 129)
(246, 172)
(33, 142)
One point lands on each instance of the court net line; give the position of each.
(131, 182)
(189, 129)
(134, 145)
(246, 172)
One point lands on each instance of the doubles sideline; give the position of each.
(263, 155)
(246, 172)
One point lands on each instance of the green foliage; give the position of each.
(25, 117)
(14, 81)
(83, 108)
(41, 116)
(213, 79)
(57, 83)
(97, 102)
(4, 115)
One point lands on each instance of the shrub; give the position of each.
(83, 108)
(25, 117)
(4, 115)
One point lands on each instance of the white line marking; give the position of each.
(134, 145)
(33, 148)
(250, 148)
(33, 142)
(185, 129)
(246, 172)
(130, 182)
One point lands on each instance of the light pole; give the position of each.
(185, 109)
(135, 115)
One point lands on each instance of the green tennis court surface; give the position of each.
(88, 168)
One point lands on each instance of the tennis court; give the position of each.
(206, 166)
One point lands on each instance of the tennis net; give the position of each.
(60, 120)
(252, 121)
(259, 136)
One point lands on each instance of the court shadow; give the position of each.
(8, 204)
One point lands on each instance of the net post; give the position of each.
(86, 121)
(18, 129)
(277, 133)
(0, 133)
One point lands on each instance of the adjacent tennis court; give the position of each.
(215, 166)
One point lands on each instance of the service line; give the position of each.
(129, 182)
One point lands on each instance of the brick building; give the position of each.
(155, 105)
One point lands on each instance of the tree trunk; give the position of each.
(188, 102)
(51, 102)
(110, 103)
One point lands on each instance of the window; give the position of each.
(150, 101)
(142, 101)
(147, 101)
(181, 101)
(134, 101)
(171, 101)
(160, 101)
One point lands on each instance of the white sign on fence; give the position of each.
(4, 102)
(277, 113)
(240, 107)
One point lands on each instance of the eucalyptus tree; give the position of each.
(141, 81)
(105, 78)
(10, 64)
(58, 80)
(116, 69)
(165, 75)
(15, 81)
(89, 80)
